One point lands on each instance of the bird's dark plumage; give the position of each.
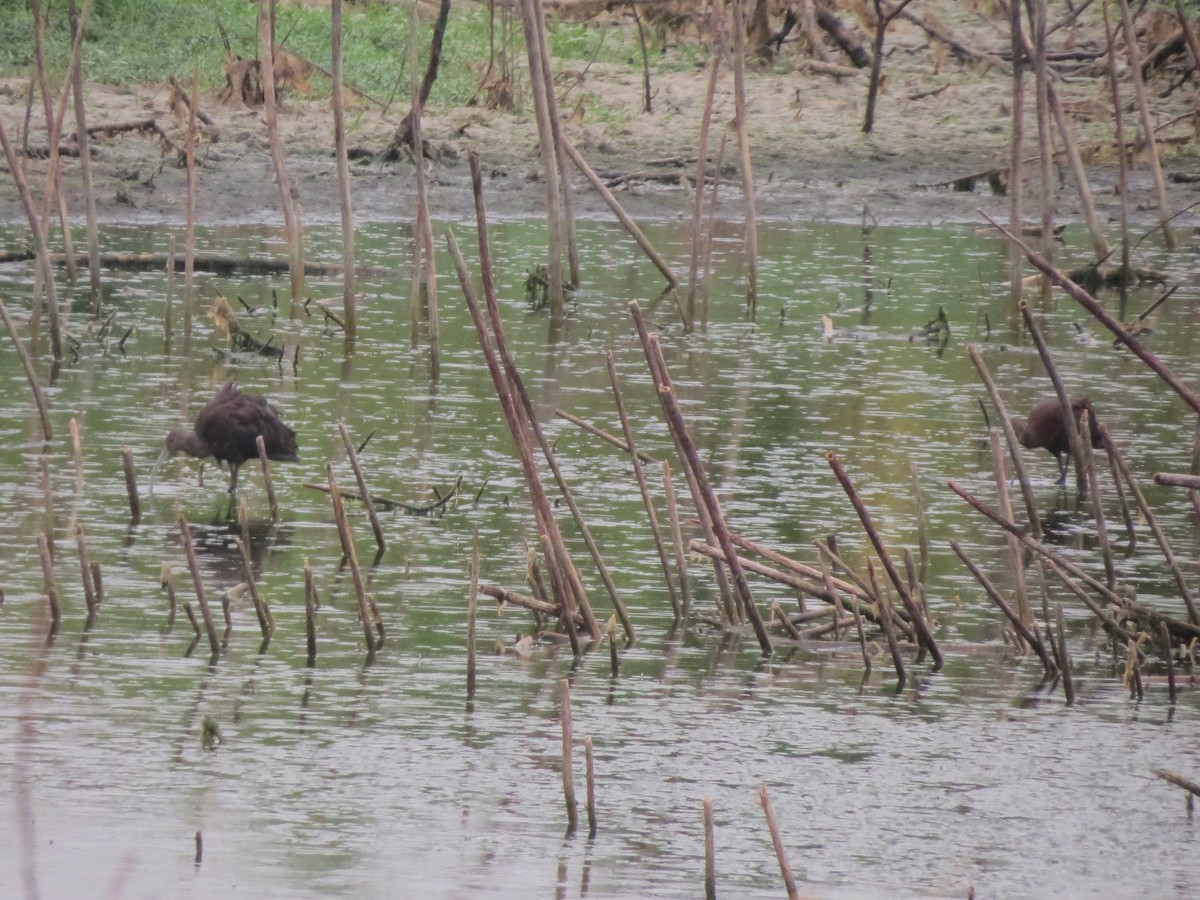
(1045, 428)
(227, 428)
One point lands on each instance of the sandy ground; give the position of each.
(810, 159)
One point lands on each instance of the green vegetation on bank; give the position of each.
(130, 41)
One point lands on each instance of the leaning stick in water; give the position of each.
(351, 555)
(194, 567)
(265, 625)
(789, 881)
(568, 775)
(363, 493)
(131, 488)
(48, 582)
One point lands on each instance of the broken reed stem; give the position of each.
(1164, 637)
(854, 608)
(623, 217)
(85, 159)
(310, 614)
(424, 224)
(472, 599)
(549, 158)
(1122, 499)
(710, 229)
(292, 226)
(677, 539)
(1068, 681)
(194, 567)
(1152, 524)
(191, 617)
(780, 852)
(603, 435)
(1146, 116)
(662, 381)
(166, 581)
(265, 625)
(889, 627)
(922, 523)
(675, 421)
(1016, 154)
(348, 551)
(1041, 73)
(614, 658)
(1015, 561)
(266, 471)
(589, 759)
(714, 66)
(168, 311)
(1026, 630)
(97, 582)
(1010, 438)
(364, 494)
(349, 313)
(1064, 400)
(1085, 435)
(743, 136)
(643, 489)
(131, 488)
(710, 856)
(48, 582)
(189, 258)
(89, 588)
(39, 400)
(566, 608)
(1107, 319)
(924, 635)
(76, 449)
(1119, 133)
(568, 775)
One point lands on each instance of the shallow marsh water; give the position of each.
(382, 781)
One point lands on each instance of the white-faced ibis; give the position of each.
(1045, 428)
(226, 429)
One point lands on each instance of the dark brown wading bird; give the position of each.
(226, 429)
(1045, 428)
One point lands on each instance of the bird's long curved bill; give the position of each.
(154, 471)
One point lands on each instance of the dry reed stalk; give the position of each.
(780, 614)
(1152, 524)
(267, 482)
(924, 635)
(194, 567)
(85, 160)
(471, 607)
(568, 775)
(743, 136)
(640, 476)
(1146, 116)
(619, 211)
(1014, 546)
(1119, 131)
(676, 538)
(591, 785)
(1045, 139)
(97, 582)
(508, 382)
(710, 856)
(364, 494)
(888, 622)
(349, 302)
(39, 400)
(76, 449)
(603, 435)
(424, 223)
(780, 852)
(348, 551)
(614, 659)
(1026, 630)
(189, 258)
(415, 290)
(131, 488)
(1068, 681)
(292, 224)
(567, 607)
(89, 589)
(1178, 480)
(858, 617)
(537, 84)
(310, 617)
(191, 617)
(1122, 500)
(1064, 400)
(1109, 321)
(714, 66)
(568, 207)
(1085, 434)
(168, 312)
(675, 421)
(166, 581)
(922, 523)
(662, 382)
(1164, 637)
(1016, 156)
(47, 497)
(1010, 437)
(48, 582)
(710, 229)
(265, 624)
(856, 590)
(45, 269)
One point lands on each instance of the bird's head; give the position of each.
(1021, 428)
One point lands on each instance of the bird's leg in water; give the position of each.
(233, 468)
(1064, 463)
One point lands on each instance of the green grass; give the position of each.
(131, 41)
